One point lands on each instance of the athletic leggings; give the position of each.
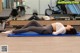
(35, 27)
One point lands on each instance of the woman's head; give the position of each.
(70, 30)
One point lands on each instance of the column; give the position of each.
(0, 5)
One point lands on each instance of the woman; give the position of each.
(54, 28)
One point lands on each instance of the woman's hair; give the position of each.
(71, 31)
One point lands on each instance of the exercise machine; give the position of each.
(52, 10)
(34, 16)
(4, 15)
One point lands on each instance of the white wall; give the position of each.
(39, 5)
(53, 2)
(77, 0)
(33, 4)
(43, 5)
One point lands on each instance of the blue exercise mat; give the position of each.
(33, 34)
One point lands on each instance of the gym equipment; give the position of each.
(73, 9)
(77, 8)
(34, 34)
(52, 10)
(34, 16)
(21, 10)
(4, 15)
(14, 13)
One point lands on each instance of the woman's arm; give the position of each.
(60, 31)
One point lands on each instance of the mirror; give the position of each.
(55, 9)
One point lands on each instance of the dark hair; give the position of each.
(71, 31)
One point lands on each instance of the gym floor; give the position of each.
(55, 44)
(69, 44)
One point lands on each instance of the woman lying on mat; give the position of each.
(54, 28)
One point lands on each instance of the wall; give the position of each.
(77, 0)
(39, 5)
(4, 4)
(31, 5)
(43, 5)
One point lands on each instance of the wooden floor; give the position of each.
(70, 44)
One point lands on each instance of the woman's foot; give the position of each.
(7, 32)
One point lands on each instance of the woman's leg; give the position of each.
(32, 23)
(20, 30)
(39, 30)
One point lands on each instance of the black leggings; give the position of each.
(32, 23)
(34, 27)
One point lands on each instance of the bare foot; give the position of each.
(7, 32)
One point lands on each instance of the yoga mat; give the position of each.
(33, 34)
